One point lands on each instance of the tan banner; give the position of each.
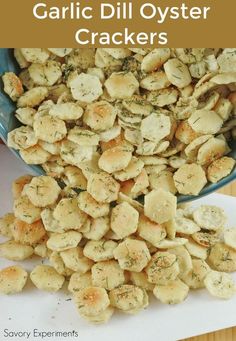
(87, 23)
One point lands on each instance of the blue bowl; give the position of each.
(8, 122)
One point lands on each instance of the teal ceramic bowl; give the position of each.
(8, 122)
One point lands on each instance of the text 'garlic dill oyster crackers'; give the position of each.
(144, 119)
(111, 251)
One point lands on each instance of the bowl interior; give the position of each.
(8, 122)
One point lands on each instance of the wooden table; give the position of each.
(225, 334)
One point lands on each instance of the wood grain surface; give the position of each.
(225, 334)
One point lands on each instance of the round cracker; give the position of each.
(12, 280)
(190, 179)
(43, 191)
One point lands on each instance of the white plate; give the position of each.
(34, 309)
